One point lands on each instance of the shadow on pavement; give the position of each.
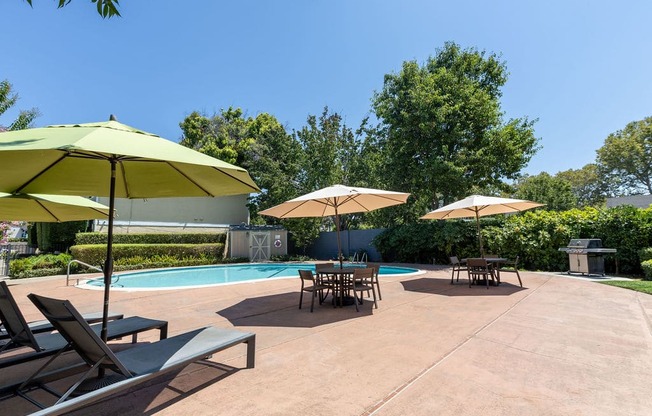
(444, 287)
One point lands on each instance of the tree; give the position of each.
(553, 191)
(625, 159)
(8, 99)
(442, 130)
(106, 8)
(586, 185)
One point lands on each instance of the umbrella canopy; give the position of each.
(115, 160)
(479, 206)
(336, 200)
(49, 208)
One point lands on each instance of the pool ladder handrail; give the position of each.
(99, 269)
(362, 259)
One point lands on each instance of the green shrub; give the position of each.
(42, 265)
(647, 269)
(189, 238)
(96, 254)
(645, 254)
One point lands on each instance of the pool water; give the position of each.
(215, 275)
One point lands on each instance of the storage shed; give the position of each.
(257, 242)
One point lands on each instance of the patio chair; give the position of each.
(513, 268)
(376, 280)
(38, 327)
(362, 281)
(458, 267)
(47, 344)
(478, 269)
(316, 289)
(131, 366)
(325, 279)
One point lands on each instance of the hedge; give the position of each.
(42, 265)
(535, 236)
(96, 254)
(189, 238)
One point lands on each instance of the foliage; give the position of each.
(553, 191)
(58, 236)
(42, 265)
(106, 8)
(625, 159)
(647, 270)
(428, 242)
(645, 254)
(96, 254)
(287, 257)
(8, 99)
(534, 236)
(637, 285)
(586, 185)
(441, 131)
(172, 238)
(161, 260)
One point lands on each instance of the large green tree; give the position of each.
(625, 159)
(442, 131)
(8, 99)
(587, 186)
(553, 191)
(106, 8)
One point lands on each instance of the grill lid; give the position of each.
(585, 243)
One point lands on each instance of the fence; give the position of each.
(10, 251)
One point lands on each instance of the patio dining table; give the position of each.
(341, 274)
(494, 266)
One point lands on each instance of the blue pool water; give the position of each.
(215, 275)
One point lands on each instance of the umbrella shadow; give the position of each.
(282, 310)
(461, 288)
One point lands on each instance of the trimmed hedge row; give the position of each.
(189, 238)
(96, 254)
(535, 236)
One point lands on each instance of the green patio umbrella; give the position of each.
(49, 208)
(115, 160)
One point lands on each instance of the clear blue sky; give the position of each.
(582, 68)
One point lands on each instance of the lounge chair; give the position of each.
(38, 327)
(46, 344)
(137, 364)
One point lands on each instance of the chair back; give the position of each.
(319, 266)
(454, 260)
(14, 321)
(65, 319)
(477, 264)
(363, 274)
(306, 275)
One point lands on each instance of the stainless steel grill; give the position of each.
(585, 255)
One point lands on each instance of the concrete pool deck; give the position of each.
(557, 346)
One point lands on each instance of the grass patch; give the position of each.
(644, 286)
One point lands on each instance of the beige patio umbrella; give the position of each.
(479, 206)
(49, 208)
(334, 201)
(115, 160)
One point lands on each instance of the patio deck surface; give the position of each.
(557, 346)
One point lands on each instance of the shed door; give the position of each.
(259, 246)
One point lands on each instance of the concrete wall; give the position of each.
(188, 213)
(325, 247)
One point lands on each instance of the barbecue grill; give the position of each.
(585, 255)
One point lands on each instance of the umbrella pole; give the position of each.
(477, 221)
(108, 265)
(339, 242)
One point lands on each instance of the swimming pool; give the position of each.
(202, 276)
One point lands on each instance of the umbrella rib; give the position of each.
(48, 211)
(33, 178)
(124, 179)
(236, 179)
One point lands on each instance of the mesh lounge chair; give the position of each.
(38, 327)
(137, 364)
(46, 344)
